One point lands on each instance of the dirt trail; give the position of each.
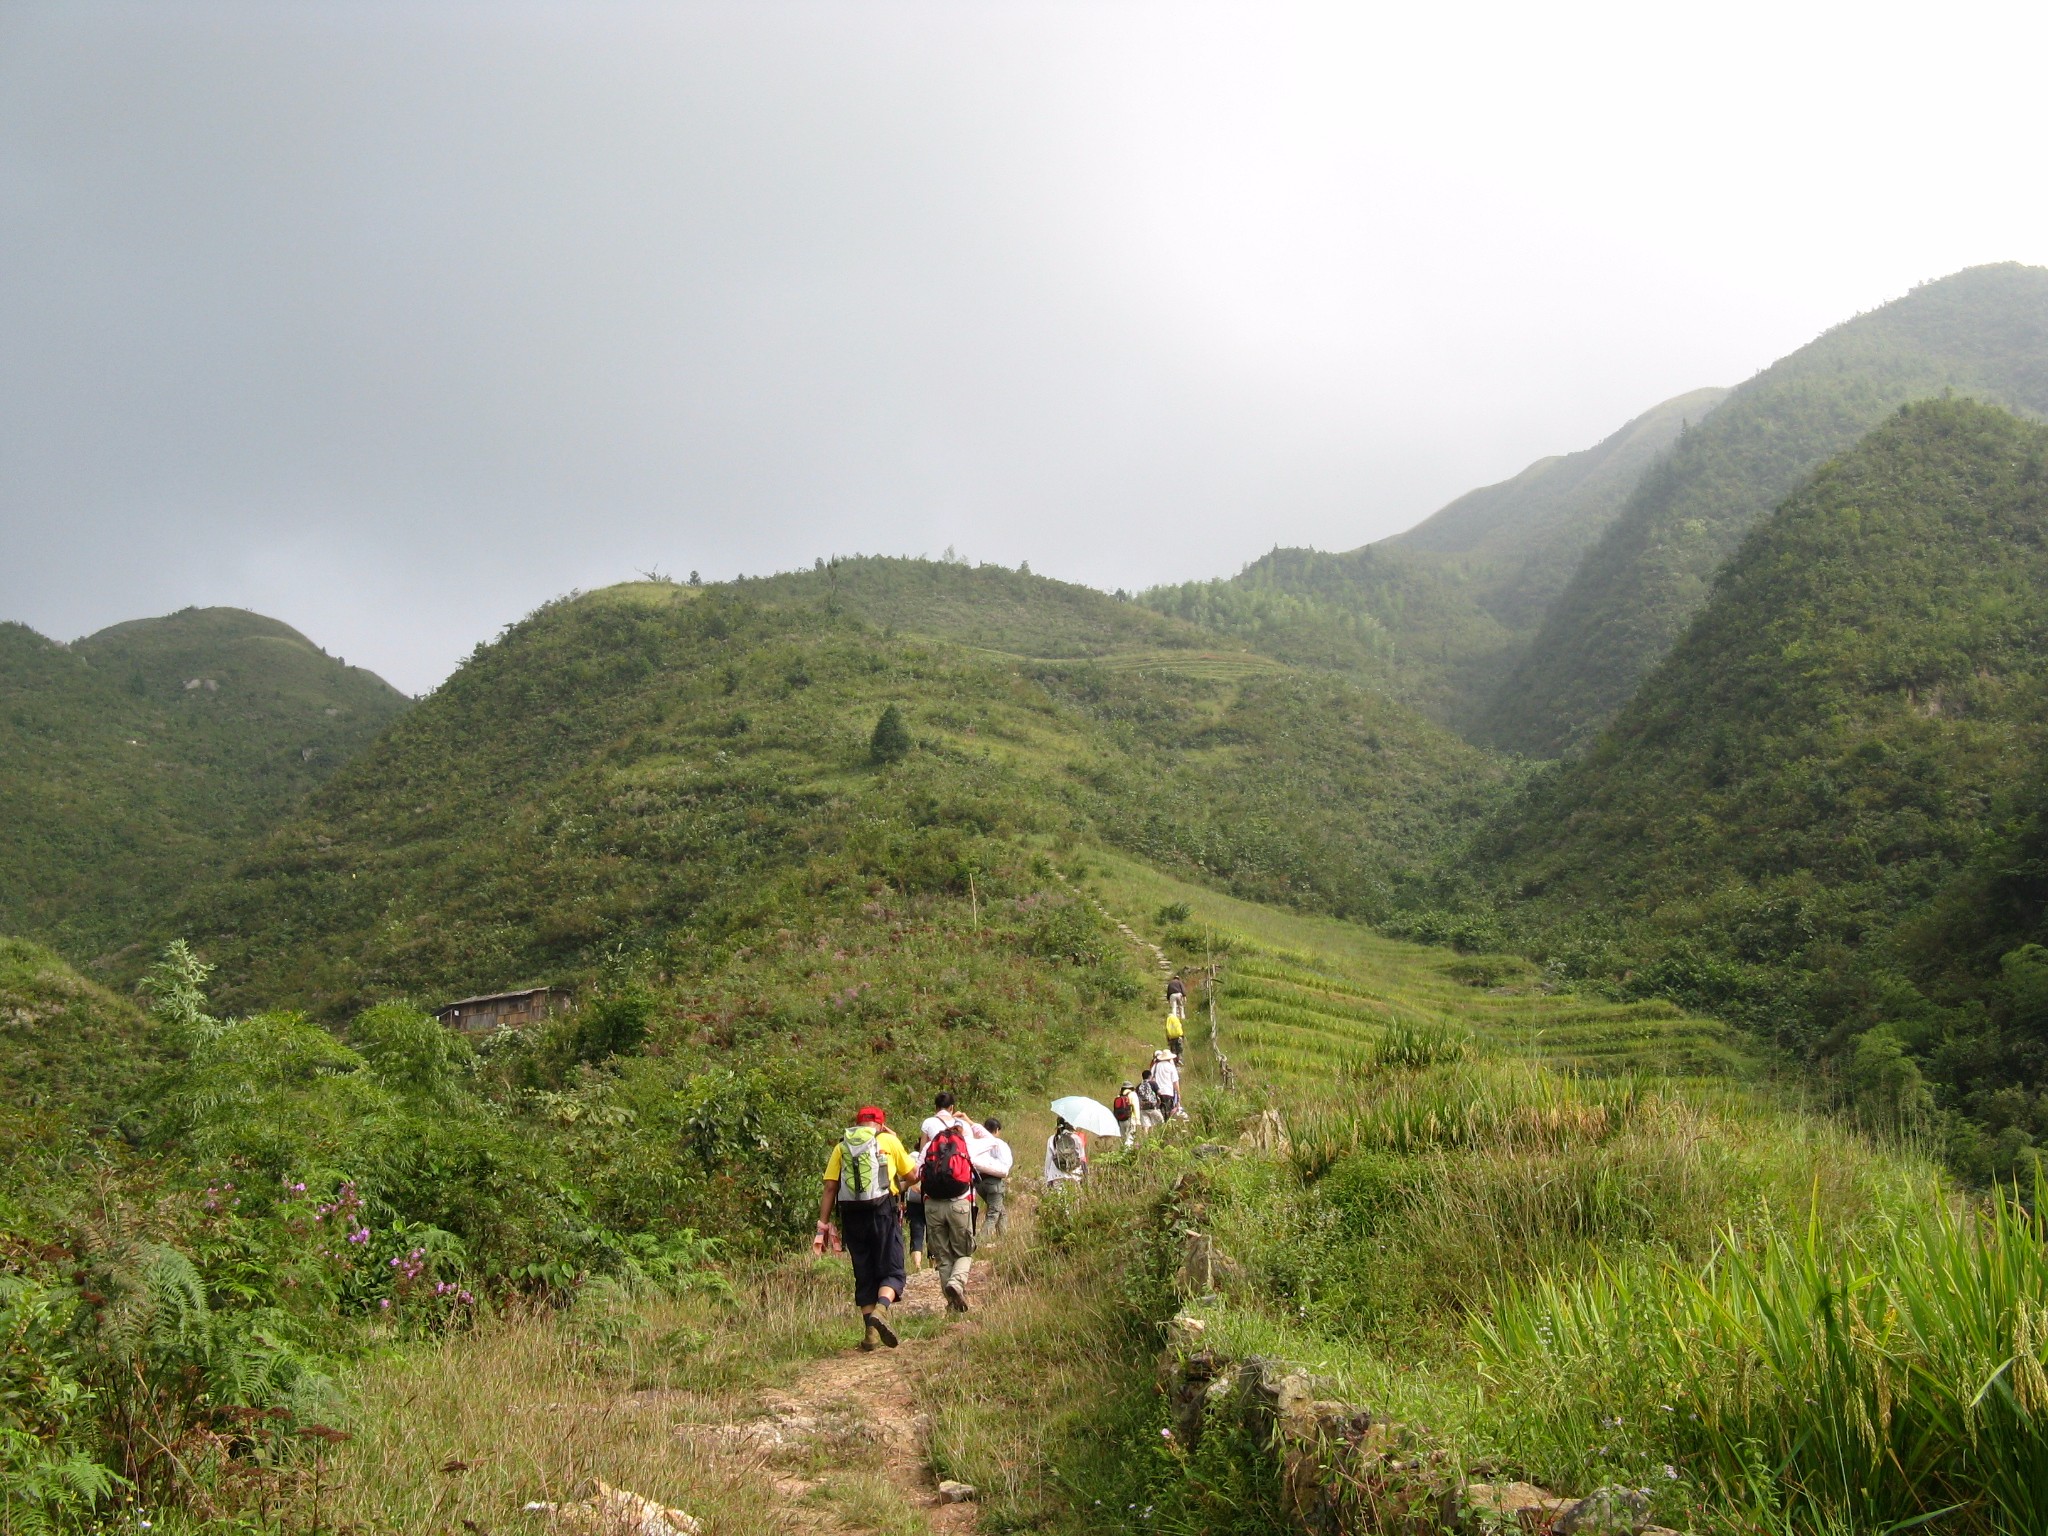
(851, 1415)
(854, 1414)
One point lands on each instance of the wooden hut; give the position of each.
(504, 1010)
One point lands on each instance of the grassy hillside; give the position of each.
(1820, 757)
(1982, 332)
(648, 769)
(145, 757)
(71, 1053)
(1645, 1278)
(1440, 613)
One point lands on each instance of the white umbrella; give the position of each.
(1084, 1114)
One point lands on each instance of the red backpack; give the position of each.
(948, 1170)
(1121, 1107)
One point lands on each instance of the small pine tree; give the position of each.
(891, 741)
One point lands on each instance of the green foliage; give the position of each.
(890, 742)
(120, 784)
(615, 1023)
(176, 988)
(1867, 1387)
(1763, 1319)
(1978, 331)
(71, 1053)
(409, 1051)
(606, 810)
(1799, 820)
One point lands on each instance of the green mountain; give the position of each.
(648, 770)
(142, 759)
(1822, 756)
(1441, 613)
(1982, 332)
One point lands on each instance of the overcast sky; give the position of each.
(392, 321)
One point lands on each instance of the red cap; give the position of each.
(868, 1114)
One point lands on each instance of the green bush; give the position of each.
(890, 741)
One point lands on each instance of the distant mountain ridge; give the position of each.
(648, 768)
(145, 757)
(1820, 758)
(1440, 614)
(1981, 332)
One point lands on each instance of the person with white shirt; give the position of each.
(947, 1176)
(1149, 1116)
(993, 1161)
(1166, 1078)
(1066, 1157)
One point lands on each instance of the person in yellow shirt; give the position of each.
(1176, 1034)
(864, 1178)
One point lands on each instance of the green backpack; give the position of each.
(863, 1167)
(1066, 1152)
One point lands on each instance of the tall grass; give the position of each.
(1806, 1387)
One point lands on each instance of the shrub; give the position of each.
(890, 742)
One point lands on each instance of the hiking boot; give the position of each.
(867, 1341)
(956, 1296)
(880, 1325)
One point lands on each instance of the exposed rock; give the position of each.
(1207, 1270)
(1342, 1469)
(1529, 1506)
(1269, 1132)
(1183, 1331)
(610, 1511)
(951, 1492)
(1609, 1511)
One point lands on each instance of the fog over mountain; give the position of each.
(396, 320)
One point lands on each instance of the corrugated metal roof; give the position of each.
(499, 997)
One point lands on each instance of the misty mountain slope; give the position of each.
(649, 769)
(1829, 743)
(1529, 533)
(147, 756)
(1439, 614)
(1982, 332)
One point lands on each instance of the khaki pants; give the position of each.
(949, 1236)
(991, 1192)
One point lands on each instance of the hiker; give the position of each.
(943, 1114)
(1066, 1157)
(947, 1178)
(1177, 997)
(1125, 1107)
(867, 1170)
(1150, 1116)
(1176, 1033)
(914, 1214)
(1166, 1078)
(993, 1161)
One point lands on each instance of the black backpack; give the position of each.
(948, 1170)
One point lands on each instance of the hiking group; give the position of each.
(1154, 1098)
(946, 1192)
(949, 1193)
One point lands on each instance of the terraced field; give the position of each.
(1311, 1002)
